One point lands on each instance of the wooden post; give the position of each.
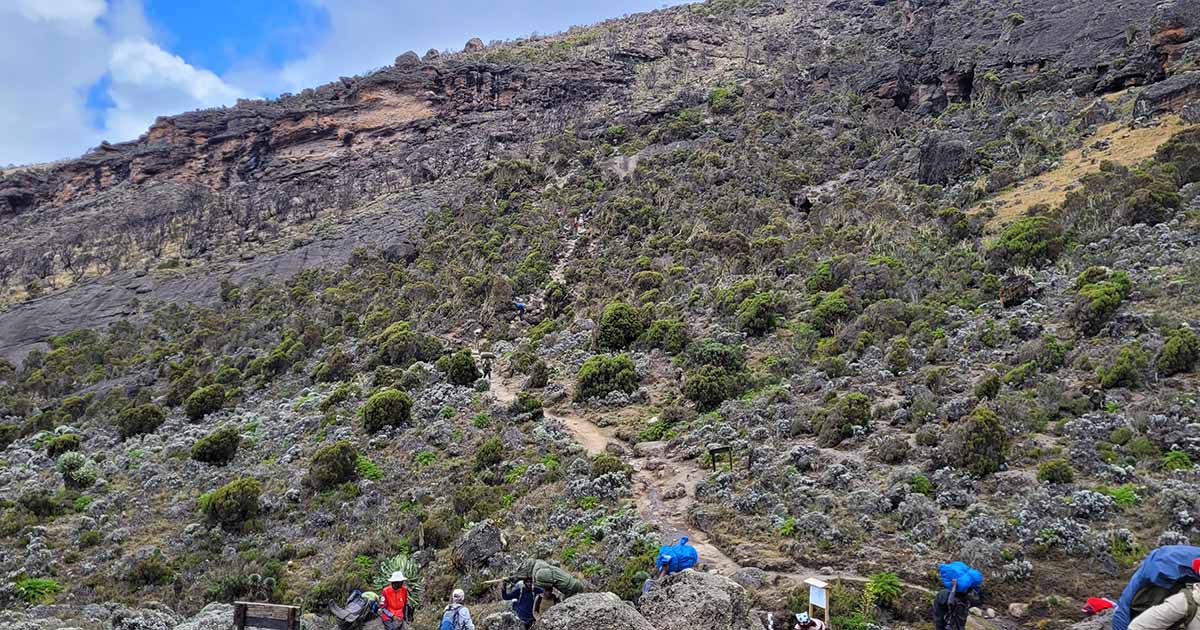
(818, 595)
(268, 616)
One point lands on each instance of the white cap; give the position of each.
(458, 596)
(398, 576)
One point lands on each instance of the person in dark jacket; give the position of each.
(951, 608)
(523, 597)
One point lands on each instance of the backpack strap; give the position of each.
(1190, 594)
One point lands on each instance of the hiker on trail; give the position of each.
(523, 597)
(1164, 572)
(951, 608)
(395, 599)
(486, 358)
(804, 622)
(456, 616)
(1175, 612)
(520, 308)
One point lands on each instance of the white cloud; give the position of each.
(53, 51)
(148, 82)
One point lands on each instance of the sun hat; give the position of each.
(398, 576)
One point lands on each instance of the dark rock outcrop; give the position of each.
(943, 160)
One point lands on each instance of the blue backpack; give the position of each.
(967, 577)
(450, 620)
(677, 557)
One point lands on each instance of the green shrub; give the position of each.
(62, 443)
(40, 503)
(899, 356)
(1127, 369)
(604, 373)
(233, 503)
(1177, 460)
(459, 367)
(139, 420)
(229, 375)
(331, 465)
(489, 454)
(821, 278)
(218, 447)
(1180, 353)
(204, 401)
(709, 386)
(388, 407)
(988, 386)
(78, 471)
(669, 334)
(37, 591)
(1018, 376)
(1142, 447)
(850, 411)
(152, 570)
(367, 469)
(1100, 294)
(620, 325)
(831, 309)
(400, 345)
(605, 463)
(1056, 471)
(920, 484)
(978, 444)
(758, 314)
(9, 432)
(710, 352)
(1125, 496)
(1027, 242)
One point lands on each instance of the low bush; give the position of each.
(830, 310)
(899, 356)
(78, 471)
(1180, 353)
(62, 443)
(1056, 471)
(1128, 368)
(709, 386)
(204, 401)
(1100, 293)
(850, 411)
(388, 407)
(605, 463)
(978, 444)
(233, 503)
(399, 345)
(988, 386)
(604, 373)
(620, 325)
(759, 313)
(669, 334)
(331, 465)
(893, 450)
(336, 367)
(218, 447)
(139, 420)
(36, 591)
(1031, 241)
(489, 454)
(152, 570)
(459, 367)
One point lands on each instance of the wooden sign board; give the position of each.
(270, 616)
(818, 597)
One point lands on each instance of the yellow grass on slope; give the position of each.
(1125, 147)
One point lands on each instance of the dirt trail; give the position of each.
(664, 489)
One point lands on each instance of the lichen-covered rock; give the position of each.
(215, 616)
(479, 544)
(593, 611)
(691, 600)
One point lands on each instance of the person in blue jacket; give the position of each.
(1163, 568)
(523, 597)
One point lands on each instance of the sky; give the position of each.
(78, 72)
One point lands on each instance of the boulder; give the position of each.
(593, 611)
(479, 544)
(943, 160)
(1018, 610)
(431, 54)
(691, 600)
(154, 616)
(1169, 95)
(408, 59)
(473, 45)
(215, 616)
(500, 621)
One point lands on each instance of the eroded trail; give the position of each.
(664, 489)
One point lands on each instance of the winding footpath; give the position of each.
(664, 490)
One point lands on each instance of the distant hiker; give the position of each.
(395, 599)
(804, 622)
(1177, 612)
(675, 558)
(456, 615)
(486, 358)
(1164, 572)
(523, 597)
(520, 308)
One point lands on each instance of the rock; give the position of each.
(1098, 113)
(500, 621)
(473, 45)
(1018, 610)
(215, 616)
(407, 60)
(751, 577)
(1015, 288)
(431, 54)
(593, 611)
(943, 160)
(479, 544)
(1169, 95)
(154, 616)
(690, 600)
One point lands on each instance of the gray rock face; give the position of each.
(215, 616)
(593, 611)
(1169, 95)
(480, 544)
(691, 600)
(943, 160)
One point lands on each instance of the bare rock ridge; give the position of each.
(428, 119)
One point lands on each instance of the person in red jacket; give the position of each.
(395, 598)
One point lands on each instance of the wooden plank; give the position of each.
(268, 616)
(268, 624)
(239, 616)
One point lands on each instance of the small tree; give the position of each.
(332, 465)
(139, 420)
(204, 401)
(459, 367)
(218, 447)
(1056, 471)
(978, 444)
(388, 407)
(233, 503)
(604, 373)
(620, 325)
(709, 386)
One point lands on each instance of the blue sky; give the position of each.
(82, 71)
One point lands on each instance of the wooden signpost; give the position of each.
(715, 451)
(818, 596)
(272, 616)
